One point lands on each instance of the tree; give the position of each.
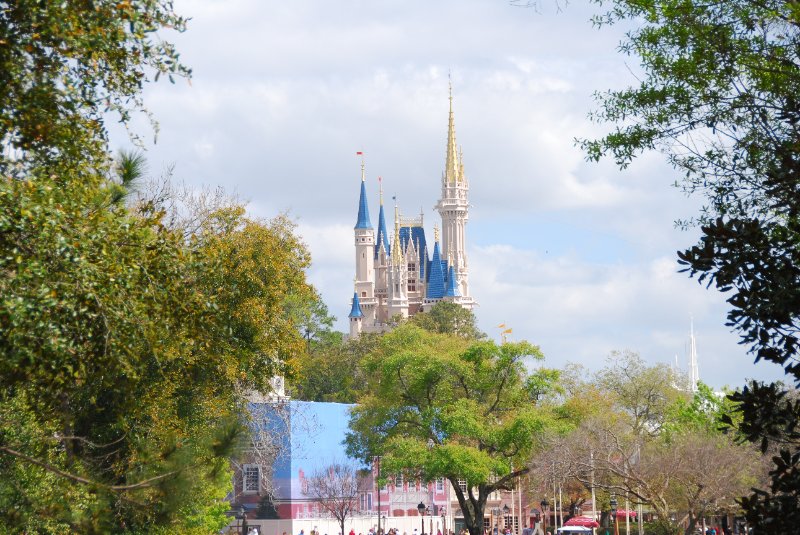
(65, 65)
(446, 406)
(333, 369)
(719, 97)
(337, 488)
(446, 317)
(638, 434)
(643, 392)
(126, 357)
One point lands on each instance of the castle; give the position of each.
(401, 276)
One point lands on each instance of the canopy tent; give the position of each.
(584, 521)
(625, 512)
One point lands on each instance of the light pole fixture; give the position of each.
(544, 503)
(421, 508)
(241, 515)
(613, 503)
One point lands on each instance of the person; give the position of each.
(352, 531)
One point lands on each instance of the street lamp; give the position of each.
(444, 528)
(613, 504)
(241, 514)
(544, 503)
(421, 509)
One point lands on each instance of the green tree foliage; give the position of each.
(445, 406)
(129, 338)
(63, 65)
(719, 97)
(638, 432)
(446, 317)
(127, 350)
(333, 369)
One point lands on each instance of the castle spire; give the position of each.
(451, 170)
(397, 258)
(383, 237)
(363, 209)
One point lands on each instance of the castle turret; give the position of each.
(365, 253)
(436, 279)
(454, 208)
(356, 317)
(398, 275)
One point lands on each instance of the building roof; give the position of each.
(436, 279)
(417, 237)
(355, 311)
(363, 209)
(382, 236)
(452, 284)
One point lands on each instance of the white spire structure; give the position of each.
(454, 210)
(694, 374)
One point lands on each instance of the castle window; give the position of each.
(363, 294)
(251, 478)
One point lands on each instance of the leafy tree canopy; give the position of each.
(63, 65)
(127, 350)
(719, 97)
(446, 317)
(446, 406)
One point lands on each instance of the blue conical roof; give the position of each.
(452, 286)
(382, 236)
(436, 276)
(355, 311)
(363, 209)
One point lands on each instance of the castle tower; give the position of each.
(356, 317)
(398, 275)
(365, 254)
(454, 210)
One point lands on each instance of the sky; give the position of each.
(575, 256)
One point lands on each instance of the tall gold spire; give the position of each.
(451, 174)
(397, 257)
(380, 189)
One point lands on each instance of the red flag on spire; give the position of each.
(359, 153)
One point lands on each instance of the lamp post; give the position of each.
(544, 503)
(241, 514)
(613, 504)
(421, 509)
(444, 527)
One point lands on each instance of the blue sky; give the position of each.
(577, 257)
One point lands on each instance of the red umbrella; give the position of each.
(584, 521)
(625, 512)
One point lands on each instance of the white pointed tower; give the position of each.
(694, 372)
(365, 255)
(398, 275)
(454, 210)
